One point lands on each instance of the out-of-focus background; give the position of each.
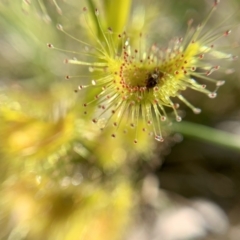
(63, 179)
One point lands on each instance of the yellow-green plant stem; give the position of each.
(117, 14)
(92, 8)
(208, 134)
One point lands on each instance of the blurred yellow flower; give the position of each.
(44, 209)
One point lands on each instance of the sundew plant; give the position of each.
(137, 81)
(94, 96)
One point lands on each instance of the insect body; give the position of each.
(153, 79)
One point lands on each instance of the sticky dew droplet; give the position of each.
(212, 95)
(159, 138)
(197, 110)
